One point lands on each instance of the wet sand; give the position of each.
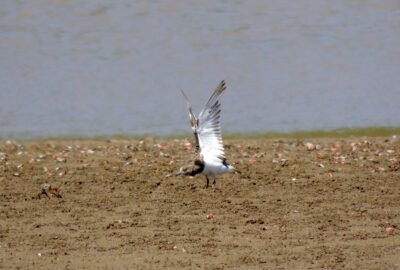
(117, 204)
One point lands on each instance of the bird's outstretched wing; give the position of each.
(208, 129)
(193, 119)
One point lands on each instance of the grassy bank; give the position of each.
(334, 133)
(300, 134)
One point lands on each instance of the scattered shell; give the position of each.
(210, 216)
(61, 160)
(310, 146)
(9, 142)
(164, 154)
(45, 186)
(391, 229)
(187, 145)
(252, 161)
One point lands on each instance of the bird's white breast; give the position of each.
(214, 168)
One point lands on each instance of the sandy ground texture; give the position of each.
(117, 204)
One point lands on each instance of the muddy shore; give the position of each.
(328, 203)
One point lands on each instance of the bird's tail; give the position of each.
(233, 169)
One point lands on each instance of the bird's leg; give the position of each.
(207, 181)
(214, 182)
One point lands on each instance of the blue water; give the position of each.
(117, 67)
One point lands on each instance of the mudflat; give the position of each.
(323, 203)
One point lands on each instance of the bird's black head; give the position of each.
(199, 163)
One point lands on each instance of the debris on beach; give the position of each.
(48, 191)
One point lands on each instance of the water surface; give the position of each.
(117, 67)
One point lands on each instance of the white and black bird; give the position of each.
(207, 131)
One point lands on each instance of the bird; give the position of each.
(207, 132)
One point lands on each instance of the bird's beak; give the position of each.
(178, 173)
(237, 171)
(182, 171)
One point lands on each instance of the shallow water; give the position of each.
(103, 68)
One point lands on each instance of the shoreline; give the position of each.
(297, 134)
